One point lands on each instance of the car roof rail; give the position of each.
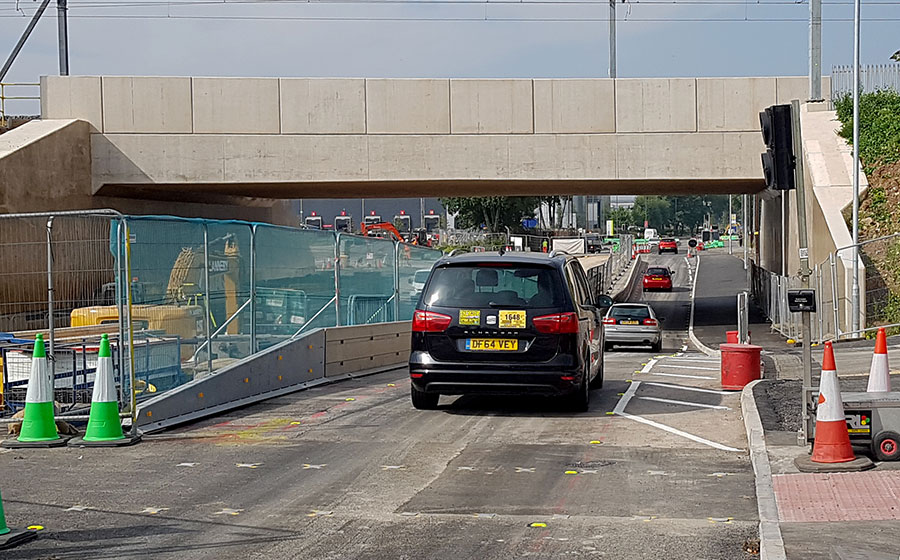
(556, 252)
(457, 251)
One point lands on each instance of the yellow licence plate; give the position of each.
(628, 322)
(492, 344)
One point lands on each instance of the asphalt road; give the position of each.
(657, 468)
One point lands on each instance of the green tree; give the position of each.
(655, 210)
(496, 213)
(622, 218)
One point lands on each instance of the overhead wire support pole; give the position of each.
(815, 50)
(25, 34)
(854, 322)
(62, 9)
(612, 39)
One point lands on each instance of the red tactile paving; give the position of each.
(864, 496)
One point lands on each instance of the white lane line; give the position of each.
(626, 398)
(691, 367)
(649, 366)
(685, 403)
(680, 375)
(682, 387)
(683, 358)
(678, 432)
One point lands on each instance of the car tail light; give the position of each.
(429, 321)
(609, 321)
(650, 322)
(559, 323)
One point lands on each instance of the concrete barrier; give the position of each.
(320, 356)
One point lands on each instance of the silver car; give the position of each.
(633, 324)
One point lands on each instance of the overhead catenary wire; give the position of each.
(484, 18)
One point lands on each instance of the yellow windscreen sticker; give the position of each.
(512, 319)
(469, 317)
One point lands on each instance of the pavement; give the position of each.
(657, 468)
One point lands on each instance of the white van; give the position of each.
(651, 236)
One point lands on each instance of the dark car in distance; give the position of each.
(513, 323)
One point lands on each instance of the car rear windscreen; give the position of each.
(494, 286)
(667, 240)
(629, 312)
(658, 271)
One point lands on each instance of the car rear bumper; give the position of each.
(637, 337)
(657, 286)
(451, 379)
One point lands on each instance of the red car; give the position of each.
(658, 278)
(667, 244)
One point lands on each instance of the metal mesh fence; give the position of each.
(872, 77)
(181, 298)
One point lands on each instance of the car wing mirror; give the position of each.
(604, 301)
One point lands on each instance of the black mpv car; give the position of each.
(513, 323)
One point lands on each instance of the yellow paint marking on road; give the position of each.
(571, 472)
(35, 527)
(537, 525)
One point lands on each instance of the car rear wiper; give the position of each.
(512, 305)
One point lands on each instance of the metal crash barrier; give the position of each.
(317, 357)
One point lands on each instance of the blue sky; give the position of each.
(448, 47)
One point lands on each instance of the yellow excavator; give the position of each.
(182, 311)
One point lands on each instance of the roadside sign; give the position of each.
(802, 300)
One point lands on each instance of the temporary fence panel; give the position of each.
(413, 267)
(55, 270)
(879, 284)
(182, 298)
(366, 267)
(294, 279)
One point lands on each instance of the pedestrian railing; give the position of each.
(12, 94)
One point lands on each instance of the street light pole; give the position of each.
(855, 289)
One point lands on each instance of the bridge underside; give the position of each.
(433, 188)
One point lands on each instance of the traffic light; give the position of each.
(778, 161)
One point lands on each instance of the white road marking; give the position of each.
(680, 375)
(698, 360)
(692, 367)
(697, 389)
(626, 398)
(685, 403)
(649, 366)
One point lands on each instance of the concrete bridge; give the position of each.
(209, 139)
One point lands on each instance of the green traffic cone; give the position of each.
(38, 424)
(104, 423)
(12, 537)
(3, 528)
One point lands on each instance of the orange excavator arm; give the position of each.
(384, 226)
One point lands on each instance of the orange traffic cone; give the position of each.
(832, 444)
(880, 373)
